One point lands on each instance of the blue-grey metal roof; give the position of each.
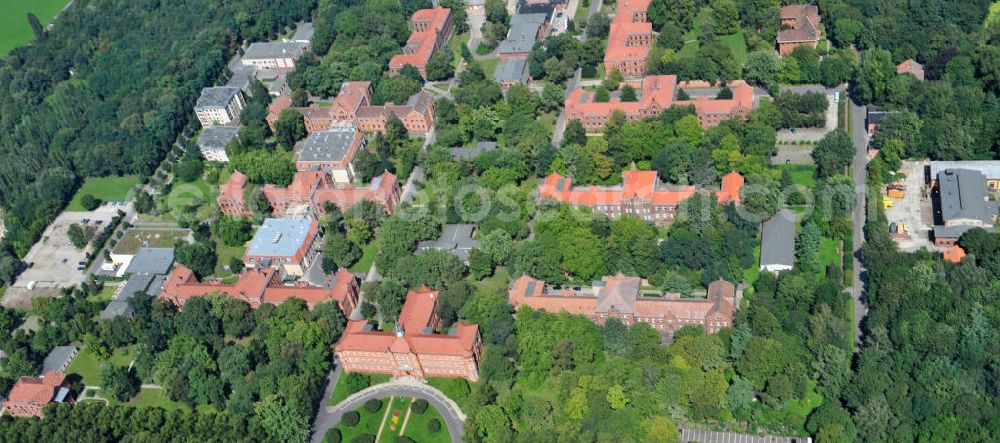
(151, 261)
(327, 146)
(989, 168)
(279, 237)
(956, 231)
(777, 245)
(963, 196)
(303, 33)
(267, 50)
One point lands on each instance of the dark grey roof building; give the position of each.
(274, 50)
(473, 152)
(963, 204)
(216, 97)
(456, 239)
(59, 359)
(777, 245)
(514, 70)
(241, 78)
(303, 33)
(147, 272)
(523, 32)
(328, 146)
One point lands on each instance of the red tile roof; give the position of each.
(740, 104)
(642, 184)
(630, 37)
(806, 23)
(430, 25)
(418, 312)
(258, 286)
(954, 254)
(732, 183)
(36, 390)
(910, 66)
(619, 295)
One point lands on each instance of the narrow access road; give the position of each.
(860, 172)
(571, 84)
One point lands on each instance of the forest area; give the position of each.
(76, 104)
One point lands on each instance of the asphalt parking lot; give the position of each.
(53, 260)
(914, 209)
(703, 436)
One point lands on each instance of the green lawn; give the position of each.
(828, 252)
(14, 28)
(89, 367)
(367, 257)
(802, 175)
(398, 409)
(416, 427)
(198, 192)
(497, 284)
(457, 389)
(151, 397)
(580, 16)
(342, 391)
(225, 254)
(456, 42)
(105, 188)
(368, 424)
(736, 42)
(738, 45)
(489, 66)
(106, 292)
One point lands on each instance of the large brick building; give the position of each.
(259, 286)
(640, 194)
(801, 27)
(619, 297)
(414, 349)
(630, 39)
(431, 28)
(353, 107)
(311, 189)
(657, 94)
(31, 394)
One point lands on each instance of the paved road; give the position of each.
(571, 84)
(329, 416)
(860, 137)
(323, 415)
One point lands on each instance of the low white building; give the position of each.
(273, 55)
(212, 142)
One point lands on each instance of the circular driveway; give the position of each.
(329, 416)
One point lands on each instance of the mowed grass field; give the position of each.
(108, 189)
(14, 28)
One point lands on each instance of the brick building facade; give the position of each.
(619, 297)
(657, 94)
(629, 40)
(31, 394)
(310, 188)
(640, 194)
(414, 349)
(431, 28)
(259, 286)
(353, 106)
